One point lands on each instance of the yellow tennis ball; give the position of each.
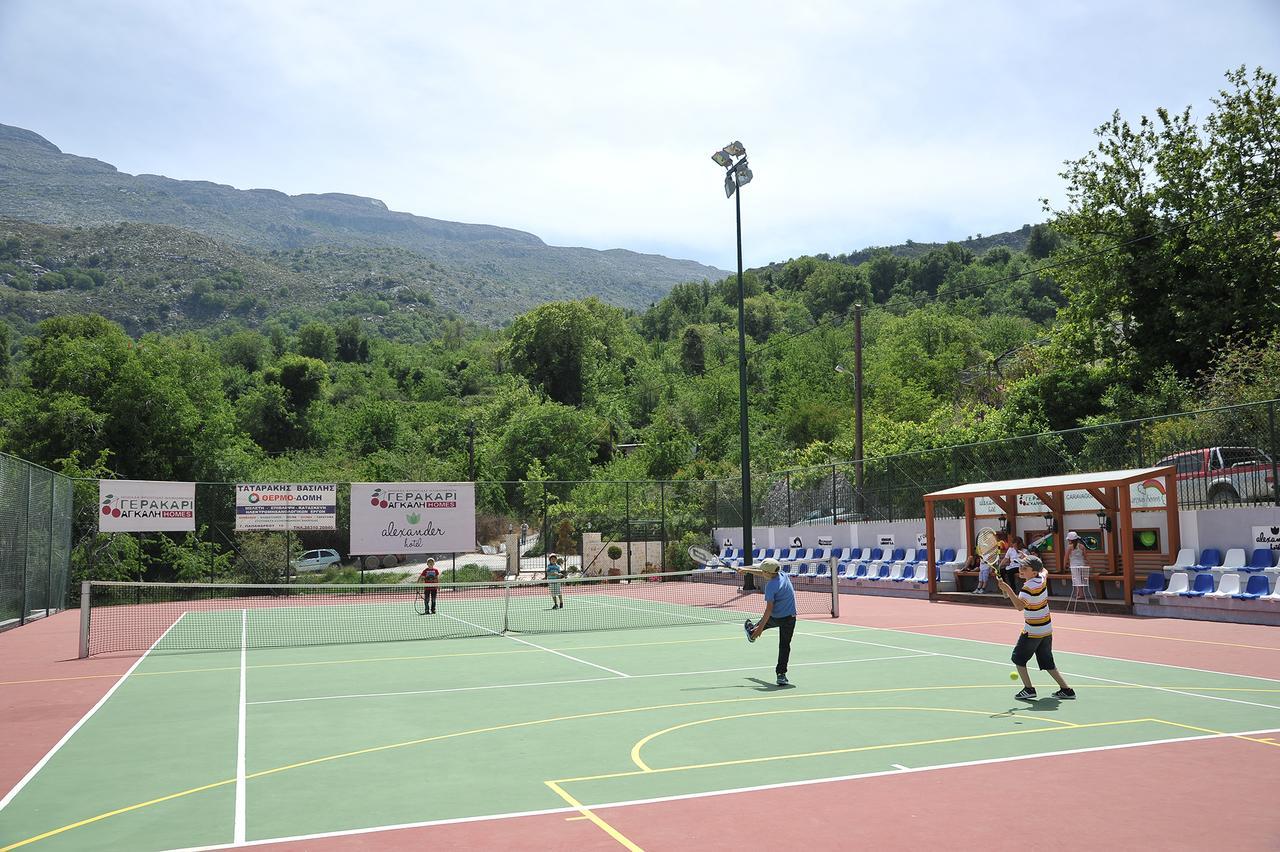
(1013, 675)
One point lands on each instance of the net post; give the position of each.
(506, 604)
(84, 618)
(835, 588)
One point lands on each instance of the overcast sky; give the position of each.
(591, 123)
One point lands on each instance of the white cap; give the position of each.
(770, 566)
(1072, 536)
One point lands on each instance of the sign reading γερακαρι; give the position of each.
(413, 517)
(132, 505)
(283, 506)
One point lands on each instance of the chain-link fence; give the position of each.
(35, 541)
(1225, 457)
(598, 527)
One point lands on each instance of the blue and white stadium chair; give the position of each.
(1233, 561)
(823, 570)
(784, 555)
(878, 571)
(1256, 588)
(1228, 586)
(1260, 560)
(1210, 558)
(800, 554)
(1154, 586)
(1202, 586)
(1186, 558)
(1178, 583)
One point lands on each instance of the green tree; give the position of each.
(550, 345)
(352, 343)
(1176, 220)
(692, 352)
(317, 340)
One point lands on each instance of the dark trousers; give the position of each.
(431, 599)
(786, 626)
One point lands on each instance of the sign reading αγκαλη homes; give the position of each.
(131, 505)
(413, 517)
(286, 506)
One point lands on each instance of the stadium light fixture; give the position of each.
(733, 159)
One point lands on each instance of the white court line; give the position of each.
(579, 680)
(240, 732)
(1075, 653)
(539, 647)
(899, 766)
(683, 797)
(1073, 674)
(94, 709)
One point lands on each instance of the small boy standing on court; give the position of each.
(554, 575)
(430, 579)
(779, 612)
(1037, 632)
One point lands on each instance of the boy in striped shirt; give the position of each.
(1037, 633)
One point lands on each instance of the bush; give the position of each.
(615, 552)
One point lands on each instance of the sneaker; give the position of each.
(1065, 694)
(1026, 695)
(782, 681)
(747, 626)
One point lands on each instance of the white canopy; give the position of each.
(1100, 479)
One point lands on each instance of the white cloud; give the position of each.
(591, 123)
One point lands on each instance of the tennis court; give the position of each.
(258, 740)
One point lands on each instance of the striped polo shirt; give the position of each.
(1036, 595)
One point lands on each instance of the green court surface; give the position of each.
(209, 748)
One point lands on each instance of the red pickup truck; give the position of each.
(1223, 476)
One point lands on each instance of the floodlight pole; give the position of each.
(747, 542)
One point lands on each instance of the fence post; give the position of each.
(1141, 455)
(788, 498)
(26, 551)
(1275, 464)
(662, 519)
(626, 486)
(833, 493)
(48, 582)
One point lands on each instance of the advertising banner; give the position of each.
(412, 517)
(131, 505)
(280, 506)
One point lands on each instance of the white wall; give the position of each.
(948, 531)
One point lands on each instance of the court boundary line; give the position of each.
(1073, 674)
(239, 828)
(535, 645)
(17, 788)
(732, 791)
(909, 632)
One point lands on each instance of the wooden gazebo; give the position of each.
(1113, 492)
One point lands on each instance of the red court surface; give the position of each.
(1178, 795)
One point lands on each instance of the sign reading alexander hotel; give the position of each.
(412, 517)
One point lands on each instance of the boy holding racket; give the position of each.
(554, 575)
(1037, 632)
(779, 612)
(430, 579)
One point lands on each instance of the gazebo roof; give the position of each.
(1065, 482)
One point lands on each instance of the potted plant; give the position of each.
(615, 553)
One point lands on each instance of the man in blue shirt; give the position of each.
(779, 612)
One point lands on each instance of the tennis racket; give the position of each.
(420, 600)
(704, 557)
(988, 546)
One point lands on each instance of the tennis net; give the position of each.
(118, 616)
